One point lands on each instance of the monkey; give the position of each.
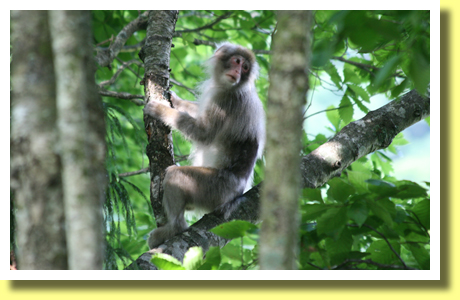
(227, 129)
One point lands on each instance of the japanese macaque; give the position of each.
(227, 128)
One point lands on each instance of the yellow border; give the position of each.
(446, 288)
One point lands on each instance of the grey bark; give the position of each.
(374, 131)
(35, 164)
(286, 99)
(156, 54)
(81, 137)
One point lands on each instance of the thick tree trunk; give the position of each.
(286, 99)
(82, 137)
(155, 54)
(35, 164)
(315, 169)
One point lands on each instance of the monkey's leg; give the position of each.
(203, 187)
(200, 187)
(175, 197)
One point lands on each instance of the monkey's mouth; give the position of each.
(231, 77)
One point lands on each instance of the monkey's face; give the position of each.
(236, 69)
(233, 66)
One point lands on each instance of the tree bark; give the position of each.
(373, 132)
(82, 137)
(286, 99)
(35, 164)
(316, 168)
(156, 54)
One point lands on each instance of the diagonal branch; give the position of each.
(105, 57)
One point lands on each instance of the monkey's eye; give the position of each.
(245, 67)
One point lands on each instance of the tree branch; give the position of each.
(178, 33)
(105, 57)
(373, 132)
(141, 171)
(122, 95)
(123, 66)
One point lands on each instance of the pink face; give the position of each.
(238, 66)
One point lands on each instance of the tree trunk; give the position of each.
(286, 99)
(82, 137)
(156, 54)
(35, 164)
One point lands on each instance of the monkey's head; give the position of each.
(233, 66)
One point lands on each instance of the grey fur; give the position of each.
(227, 127)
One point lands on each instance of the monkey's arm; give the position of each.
(183, 105)
(195, 129)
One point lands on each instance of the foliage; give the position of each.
(366, 219)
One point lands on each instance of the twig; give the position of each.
(141, 171)
(125, 96)
(325, 110)
(119, 70)
(183, 86)
(207, 26)
(389, 244)
(371, 262)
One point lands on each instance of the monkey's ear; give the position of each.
(221, 46)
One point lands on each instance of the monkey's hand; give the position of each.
(163, 112)
(174, 97)
(156, 109)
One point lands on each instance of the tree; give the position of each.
(35, 167)
(286, 99)
(351, 215)
(57, 175)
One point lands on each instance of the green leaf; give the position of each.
(360, 92)
(99, 15)
(386, 165)
(335, 77)
(410, 190)
(338, 250)
(339, 189)
(380, 211)
(193, 258)
(358, 211)
(381, 187)
(421, 255)
(361, 106)
(381, 252)
(322, 52)
(166, 262)
(350, 75)
(333, 117)
(385, 72)
(346, 110)
(422, 211)
(312, 194)
(313, 211)
(420, 72)
(233, 229)
(212, 259)
(397, 90)
(358, 180)
(332, 222)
